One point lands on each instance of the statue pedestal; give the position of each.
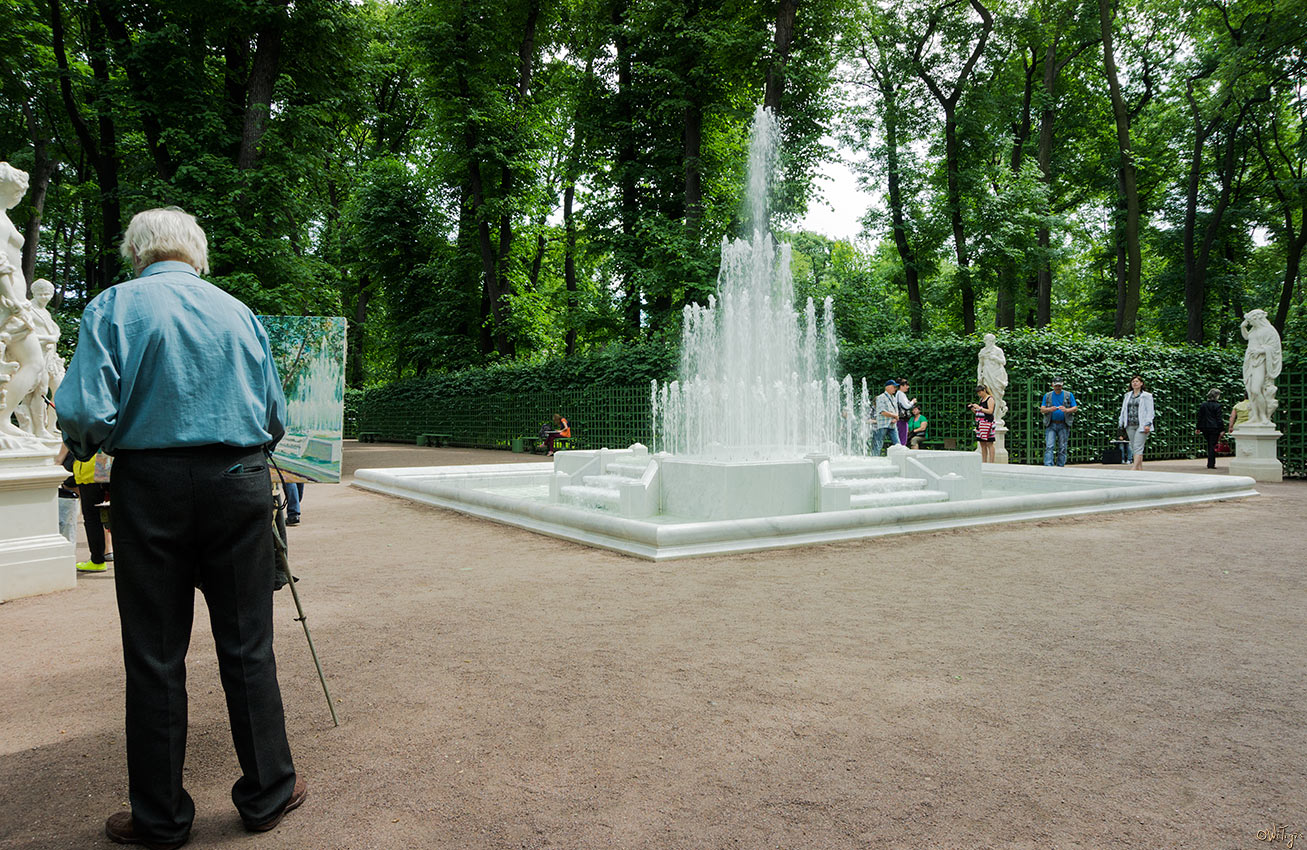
(1000, 444)
(1254, 453)
(34, 556)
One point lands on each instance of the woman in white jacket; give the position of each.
(1137, 418)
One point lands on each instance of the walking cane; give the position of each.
(284, 577)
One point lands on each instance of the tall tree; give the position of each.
(1127, 309)
(947, 91)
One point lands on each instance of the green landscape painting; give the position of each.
(310, 355)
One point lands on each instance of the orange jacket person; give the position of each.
(561, 430)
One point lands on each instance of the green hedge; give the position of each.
(942, 369)
(615, 366)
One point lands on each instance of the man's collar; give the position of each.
(168, 266)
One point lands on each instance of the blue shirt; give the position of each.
(1065, 398)
(165, 361)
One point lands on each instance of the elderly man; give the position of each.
(174, 378)
(885, 423)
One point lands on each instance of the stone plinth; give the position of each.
(34, 556)
(1255, 453)
(1000, 444)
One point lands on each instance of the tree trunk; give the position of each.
(1005, 305)
(235, 75)
(626, 166)
(106, 161)
(1127, 307)
(894, 182)
(357, 335)
(569, 262)
(533, 278)
(38, 184)
(1293, 252)
(1044, 156)
(259, 89)
(101, 153)
(117, 30)
(1195, 283)
(963, 254)
(952, 154)
(775, 88)
(694, 172)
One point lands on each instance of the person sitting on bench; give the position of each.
(560, 431)
(917, 428)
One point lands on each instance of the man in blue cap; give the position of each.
(886, 421)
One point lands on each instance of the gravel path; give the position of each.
(1120, 681)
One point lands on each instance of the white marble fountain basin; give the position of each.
(664, 507)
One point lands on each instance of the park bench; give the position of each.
(434, 439)
(947, 444)
(369, 436)
(531, 444)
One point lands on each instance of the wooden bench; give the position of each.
(434, 439)
(368, 436)
(530, 444)
(947, 444)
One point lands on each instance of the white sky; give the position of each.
(841, 203)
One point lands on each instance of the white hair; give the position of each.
(42, 285)
(169, 233)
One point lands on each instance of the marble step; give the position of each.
(607, 481)
(627, 468)
(901, 497)
(881, 485)
(863, 469)
(590, 497)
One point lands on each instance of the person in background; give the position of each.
(1137, 418)
(1059, 409)
(984, 412)
(886, 415)
(1239, 415)
(294, 495)
(91, 494)
(1210, 422)
(561, 430)
(175, 380)
(917, 428)
(905, 410)
(1127, 456)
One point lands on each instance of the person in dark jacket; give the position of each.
(1211, 422)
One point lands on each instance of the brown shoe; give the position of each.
(297, 796)
(120, 829)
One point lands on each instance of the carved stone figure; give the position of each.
(1261, 366)
(991, 371)
(48, 334)
(22, 360)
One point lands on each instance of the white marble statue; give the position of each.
(1261, 366)
(22, 356)
(42, 292)
(991, 370)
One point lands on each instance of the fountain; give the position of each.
(759, 445)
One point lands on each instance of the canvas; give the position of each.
(310, 355)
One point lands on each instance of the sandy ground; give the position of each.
(1128, 681)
